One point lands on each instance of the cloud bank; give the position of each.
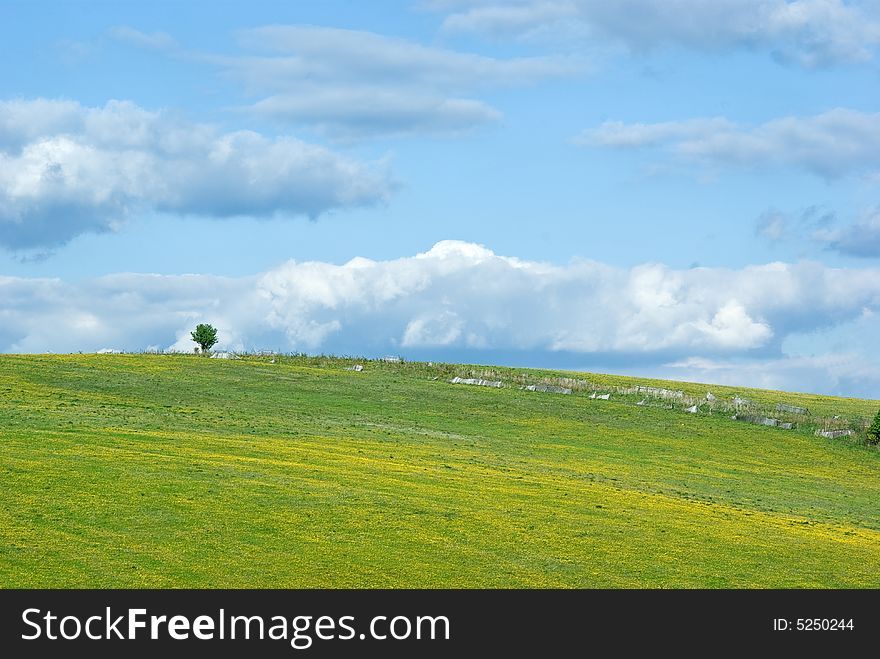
(66, 169)
(455, 298)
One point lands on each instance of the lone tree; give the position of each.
(205, 335)
(874, 430)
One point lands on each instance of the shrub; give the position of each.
(874, 430)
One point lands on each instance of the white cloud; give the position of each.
(351, 114)
(154, 40)
(861, 238)
(455, 297)
(66, 169)
(23, 121)
(617, 134)
(818, 226)
(837, 373)
(832, 144)
(808, 32)
(350, 84)
(772, 225)
(808, 224)
(357, 56)
(511, 19)
(433, 329)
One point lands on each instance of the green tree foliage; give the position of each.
(874, 430)
(205, 335)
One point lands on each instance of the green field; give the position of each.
(180, 471)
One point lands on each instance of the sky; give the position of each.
(668, 188)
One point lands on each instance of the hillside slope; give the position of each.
(178, 471)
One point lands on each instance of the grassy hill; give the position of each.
(178, 471)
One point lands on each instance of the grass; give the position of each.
(176, 471)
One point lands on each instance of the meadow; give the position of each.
(288, 472)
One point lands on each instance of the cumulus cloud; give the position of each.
(831, 144)
(808, 32)
(455, 297)
(66, 169)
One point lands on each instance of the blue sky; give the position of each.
(683, 189)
